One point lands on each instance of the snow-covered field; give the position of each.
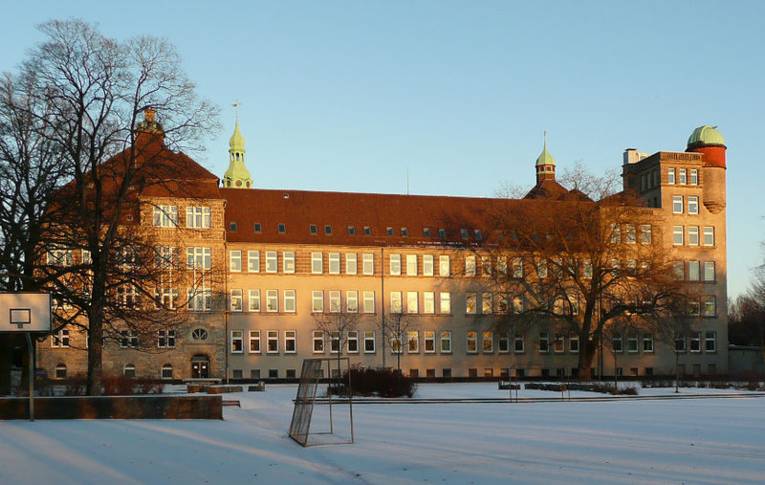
(691, 441)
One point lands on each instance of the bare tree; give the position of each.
(578, 265)
(100, 264)
(337, 325)
(395, 325)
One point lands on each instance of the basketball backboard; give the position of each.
(25, 312)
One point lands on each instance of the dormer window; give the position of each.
(313, 229)
(426, 231)
(478, 235)
(442, 233)
(282, 228)
(464, 233)
(351, 230)
(328, 230)
(367, 231)
(404, 232)
(389, 231)
(232, 226)
(256, 228)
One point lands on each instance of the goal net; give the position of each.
(306, 400)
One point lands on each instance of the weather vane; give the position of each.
(236, 106)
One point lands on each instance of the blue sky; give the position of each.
(353, 95)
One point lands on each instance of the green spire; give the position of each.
(237, 176)
(545, 158)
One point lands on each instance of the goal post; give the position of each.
(311, 375)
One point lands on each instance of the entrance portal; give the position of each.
(200, 367)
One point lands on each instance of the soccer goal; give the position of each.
(311, 376)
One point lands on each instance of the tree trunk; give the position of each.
(94, 385)
(586, 354)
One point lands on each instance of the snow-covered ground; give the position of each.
(691, 441)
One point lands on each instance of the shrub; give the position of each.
(375, 382)
(125, 386)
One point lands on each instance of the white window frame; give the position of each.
(678, 235)
(677, 204)
(317, 301)
(288, 262)
(394, 263)
(427, 265)
(444, 266)
(396, 304)
(471, 342)
(369, 296)
(317, 262)
(369, 336)
(671, 176)
(490, 348)
(412, 302)
(236, 336)
(429, 337)
(411, 265)
(470, 265)
(428, 302)
(412, 337)
(444, 303)
(708, 272)
(693, 205)
(351, 263)
(236, 300)
(199, 257)
(289, 298)
(352, 336)
(272, 262)
(253, 261)
(334, 263)
(335, 301)
(272, 301)
(445, 337)
(272, 336)
(368, 264)
(352, 301)
(60, 339)
(471, 303)
(253, 300)
(708, 231)
(198, 217)
(254, 338)
(318, 336)
(165, 216)
(290, 336)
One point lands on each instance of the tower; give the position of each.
(545, 164)
(708, 141)
(237, 176)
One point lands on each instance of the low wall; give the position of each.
(114, 407)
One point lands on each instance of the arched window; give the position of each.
(61, 371)
(199, 334)
(128, 370)
(167, 371)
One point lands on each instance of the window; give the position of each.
(443, 266)
(517, 265)
(129, 371)
(677, 204)
(472, 342)
(573, 344)
(648, 343)
(395, 264)
(446, 342)
(677, 235)
(428, 302)
(334, 263)
(616, 344)
(253, 261)
(235, 300)
(559, 344)
(694, 176)
(709, 270)
(710, 341)
(679, 270)
(334, 301)
(369, 342)
(350, 263)
(412, 300)
(503, 343)
(518, 344)
(411, 265)
(693, 271)
(426, 232)
(389, 231)
(395, 344)
(630, 234)
(544, 342)
(257, 228)
(198, 258)
(165, 216)
(487, 342)
(198, 217)
(645, 234)
(318, 342)
(485, 266)
(632, 344)
(353, 342)
(693, 204)
(693, 235)
(486, 304)
(694, 308)
(351, 230)
(369, 302)
(710, 305)
(254, 341)
(444, 303)
(427, 265)
(60, 339)
(470, 265)
(471, 303)
(317, 301)
(272, 265)
(681, 175)
(616, 234)
(313, 229)
(288, 261)
(272, 301)
(289, 301)
(429, 341)
(671, 176)
(367, 231)
(128, 339)
(709, 236)
(199, 334)
(290, 341)
(352, 301)
(368, 264)
(696, 342)
(237, 341)
(166, 372)
(680, 344)
(412, 341)
(334, 342)
(281, 228)
(404, 232)
(395, 302)
(328, 230)
(272, 342)
(316, 263)
(199, 299)
(253, 300)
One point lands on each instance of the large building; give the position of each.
(287, 256)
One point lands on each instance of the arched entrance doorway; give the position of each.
(200, 367)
